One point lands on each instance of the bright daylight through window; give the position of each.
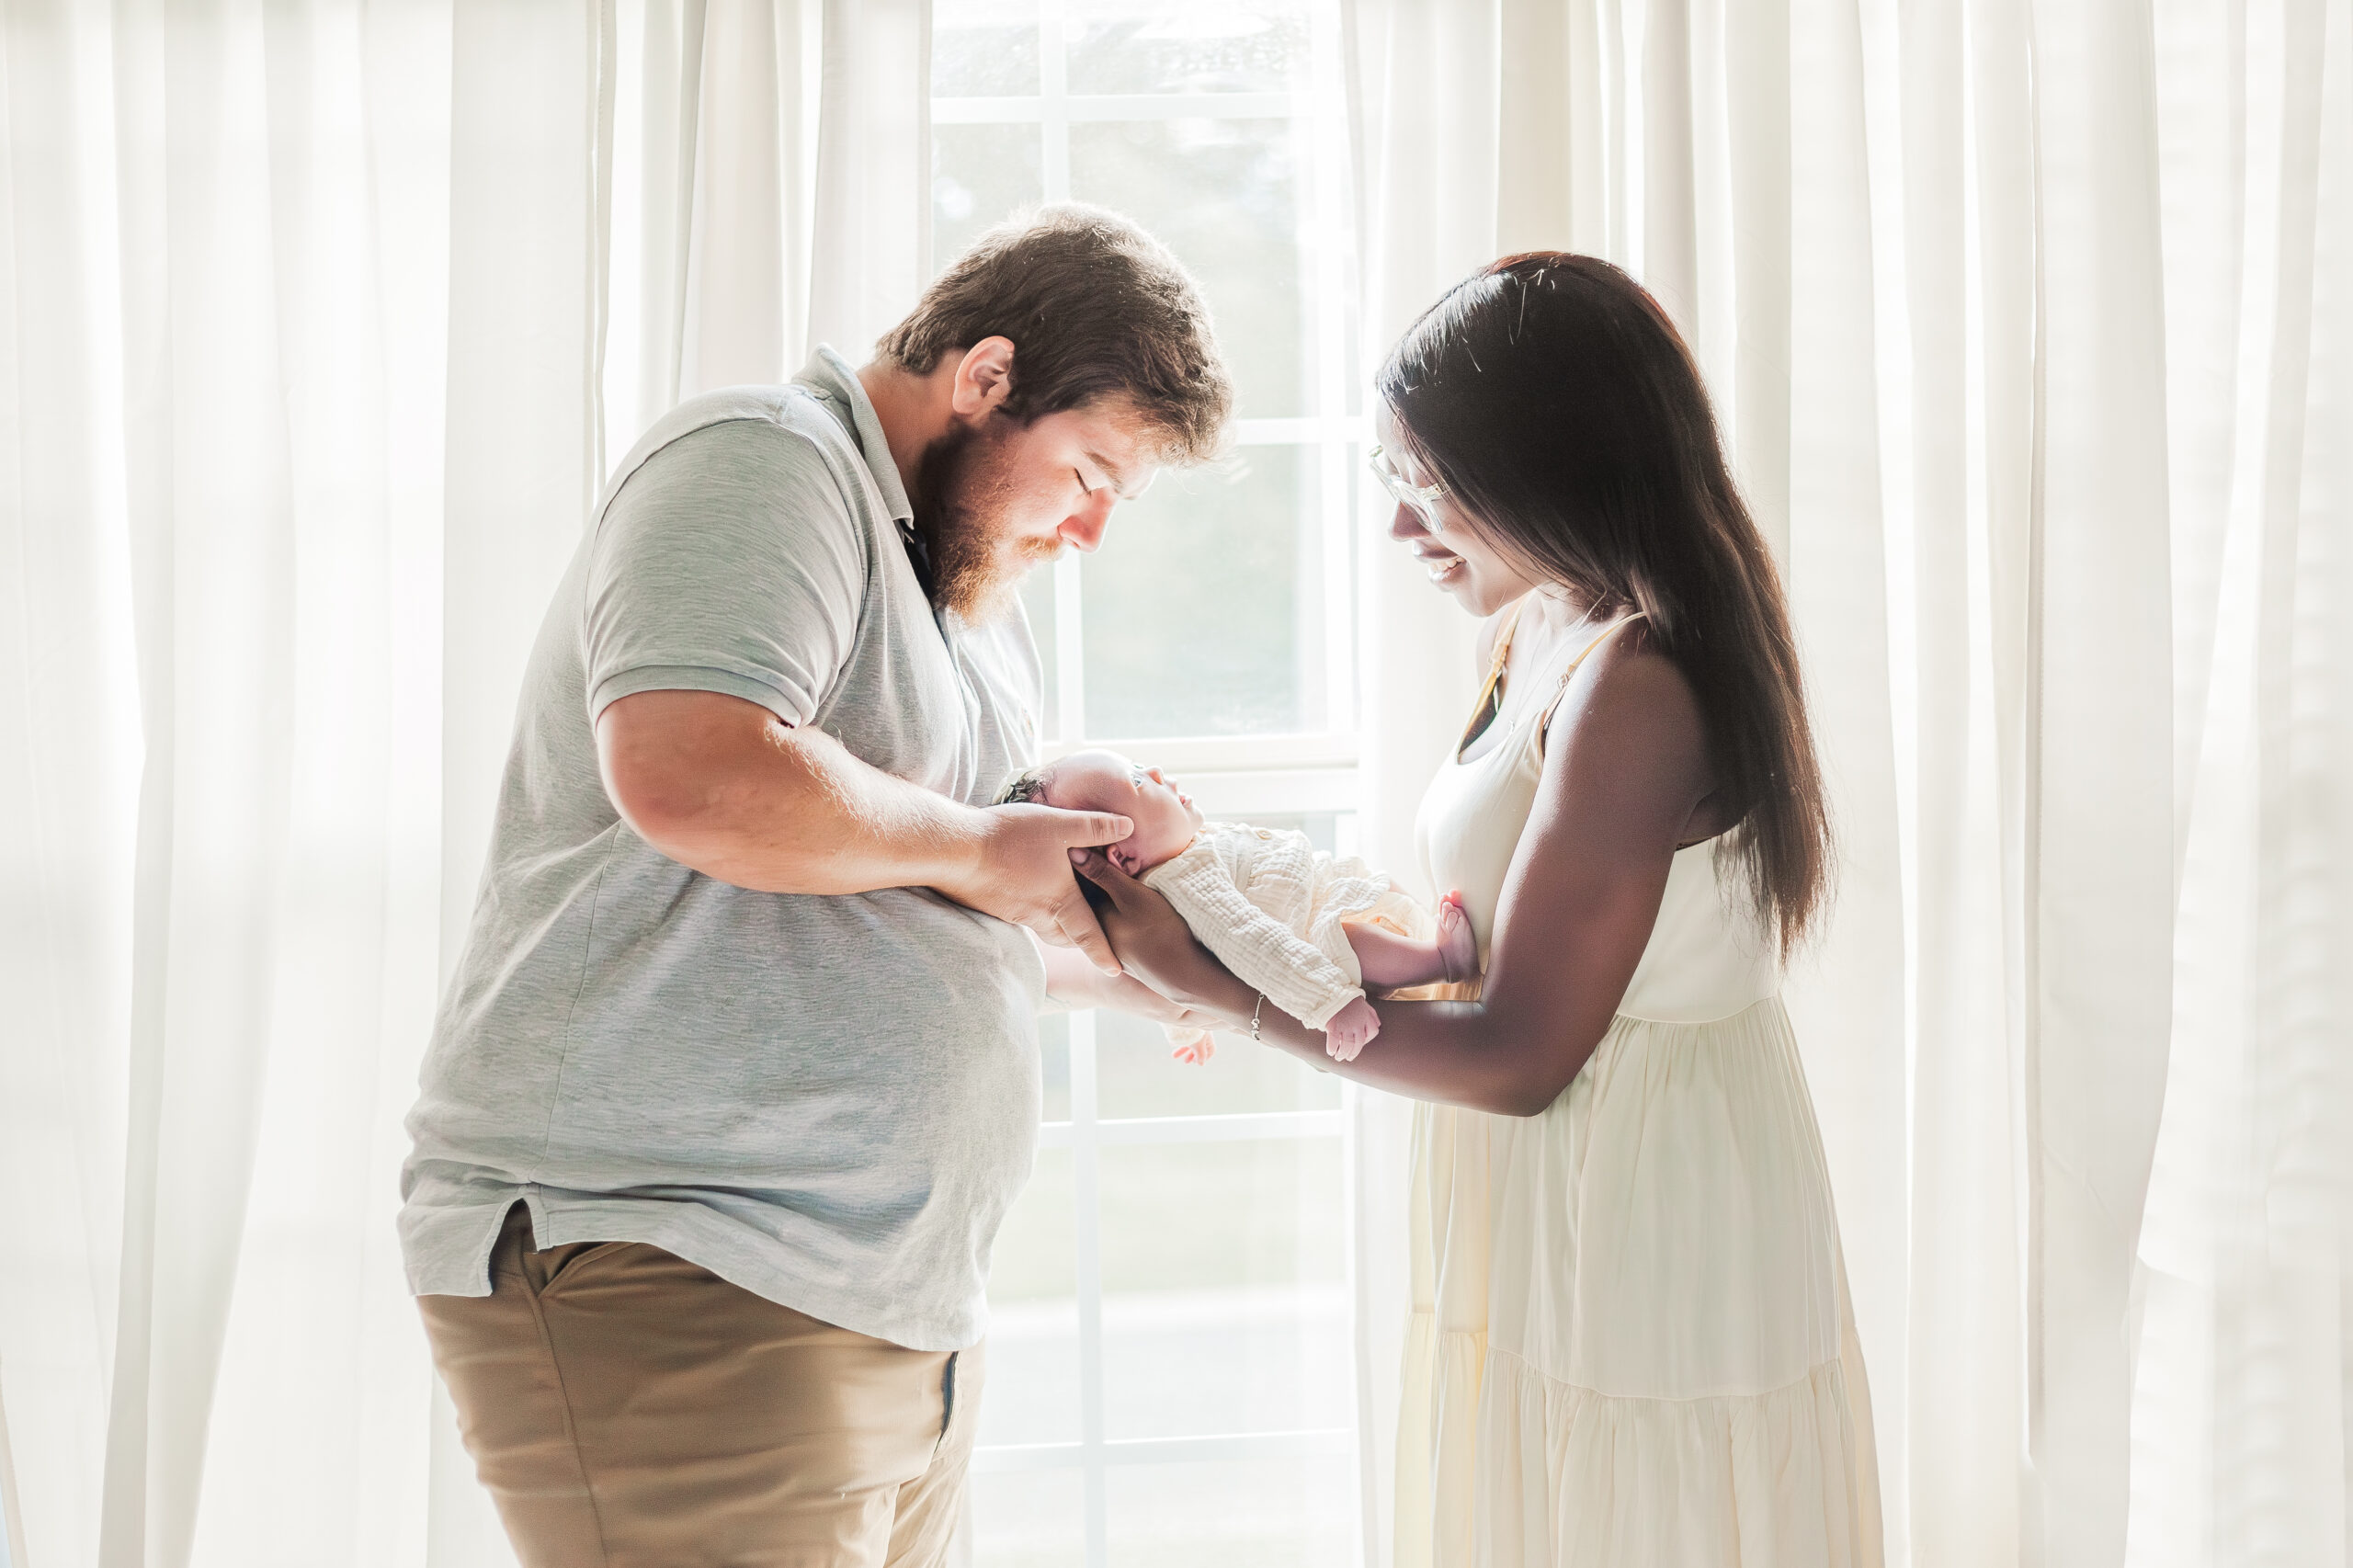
(1171, 1370)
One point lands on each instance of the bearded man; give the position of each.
(738, 1072)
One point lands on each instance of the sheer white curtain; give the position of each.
(316, 322)
(2030, 322)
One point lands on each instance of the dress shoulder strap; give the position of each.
(1607, 633)
(1544, 719)
(1502, 639)
(1490, 702)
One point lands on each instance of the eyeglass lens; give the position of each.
(1411, 496)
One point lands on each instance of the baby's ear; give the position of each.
(1123, 858)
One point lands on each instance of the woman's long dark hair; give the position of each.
(1558, 406)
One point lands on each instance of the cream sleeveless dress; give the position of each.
(1631, 1345)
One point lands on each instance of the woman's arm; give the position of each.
(1625, 767)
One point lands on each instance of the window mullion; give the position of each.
(1054, 102)
(1053, 146)
(1330, 290)
(1086, 1196)
(1070, 655)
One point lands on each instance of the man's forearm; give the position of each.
(717, 784)
(772, 808)
(1073, 983)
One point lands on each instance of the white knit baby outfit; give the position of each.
(1271, 907)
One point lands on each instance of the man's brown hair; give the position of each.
(1097, 310)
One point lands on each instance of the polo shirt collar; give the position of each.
(834, 378)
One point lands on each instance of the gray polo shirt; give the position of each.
(830, 1101)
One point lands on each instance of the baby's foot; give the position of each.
(1458, 947)
(1349, 1030)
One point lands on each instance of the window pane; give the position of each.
(1224, 1301)
(1222, 1216)
(1199, 1363)
(1038, 603)
(1233, 1513)
(1148, 46)
(984, 49)
(1195, 605)
(1028, 1519)
(979, 174)
(1031, 1390)
(1136, 1076)
(1225, 195)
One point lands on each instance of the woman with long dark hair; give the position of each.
(1631, 1344)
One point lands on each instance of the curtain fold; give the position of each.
(1421, 89)
(2022, 321)
(318, 324)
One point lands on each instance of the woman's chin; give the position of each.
(1476, 597)
(1451, 576)
(1465, 584)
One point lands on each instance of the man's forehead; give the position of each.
(1129, 477)
(1118, 441)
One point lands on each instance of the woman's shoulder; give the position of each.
(1627, 695)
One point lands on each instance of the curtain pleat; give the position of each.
(2241, 1378)
(66, 670)
(1846, 996)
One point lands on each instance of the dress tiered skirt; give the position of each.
(1630, 1344)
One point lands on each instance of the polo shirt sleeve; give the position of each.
(728, 562)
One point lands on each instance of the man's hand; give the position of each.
(1022, 874)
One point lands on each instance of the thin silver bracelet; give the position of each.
(1254, 1019)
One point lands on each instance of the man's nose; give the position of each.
(1083, 530)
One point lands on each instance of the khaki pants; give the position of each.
(629, 1409)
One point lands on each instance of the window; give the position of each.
(1171, 1369)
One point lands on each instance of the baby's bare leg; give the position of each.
(1388, 959)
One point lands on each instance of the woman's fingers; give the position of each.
(1097, 868)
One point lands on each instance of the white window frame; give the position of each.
(1309, 771)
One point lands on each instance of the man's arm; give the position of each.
(1073, 983)
(722, 786)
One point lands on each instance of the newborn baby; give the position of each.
(1308, 931)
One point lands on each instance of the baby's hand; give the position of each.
(1194, 1052)
(1351, 1030)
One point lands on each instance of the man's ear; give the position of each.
(983, 378)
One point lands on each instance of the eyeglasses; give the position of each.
(1422, 498)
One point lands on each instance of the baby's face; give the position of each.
(1166, 817)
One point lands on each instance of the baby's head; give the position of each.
(1164, 815)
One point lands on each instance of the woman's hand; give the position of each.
(1152, 942)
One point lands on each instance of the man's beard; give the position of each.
(962, 488)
